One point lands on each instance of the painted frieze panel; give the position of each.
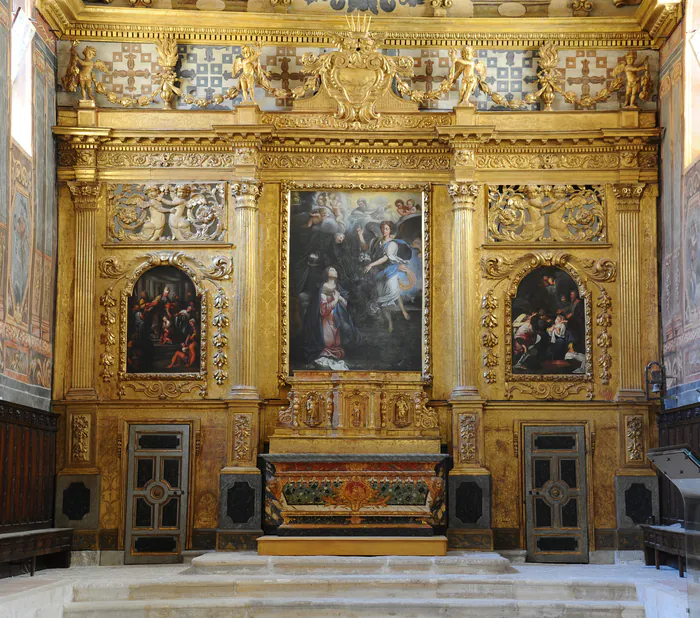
(172, 212)
(164, 325)
(356, 278)
(546, 213)
(549, 330)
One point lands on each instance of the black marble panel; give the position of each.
(469, 501)
(240, 501)
(77, 501)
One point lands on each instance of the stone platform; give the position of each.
(246, 585)
(271, 545)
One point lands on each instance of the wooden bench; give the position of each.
(660, 542)
(28, 544)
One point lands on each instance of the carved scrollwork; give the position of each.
(548, 390)
(162, 390)
(546, 213)
(80, 438)
(633, 432)
(467, 438)
(241, 437)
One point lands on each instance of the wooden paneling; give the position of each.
(27, 468)
(677, 427)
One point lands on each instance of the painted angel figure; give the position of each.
(471, 70)
(248, 66)
(80, 71)
(636, 85)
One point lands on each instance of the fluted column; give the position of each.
(244, 375)
(85, 199)
(464, 199)
(628, 198)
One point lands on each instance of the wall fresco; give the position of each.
(27, 238)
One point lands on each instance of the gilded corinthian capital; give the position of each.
(246, 193)
(85, 195)
(628, 196)
(463, 195)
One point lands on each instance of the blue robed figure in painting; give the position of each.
(389, 256)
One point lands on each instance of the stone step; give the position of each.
(384, 586)
(248, 562)
(243, 607)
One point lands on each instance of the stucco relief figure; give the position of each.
(637, 78)
(81, 71)
(356, 285)
(163, 323)
(20, 239)
(470, 70)
(172, 212)
(549, 324)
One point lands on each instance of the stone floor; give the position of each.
(249, 587)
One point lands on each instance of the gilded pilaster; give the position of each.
(246, 195)
(628, 198)
(85, 200)
(465, 197)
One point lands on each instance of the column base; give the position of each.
(631, 394)
(81, 394)
(465, 392)
(248, 393)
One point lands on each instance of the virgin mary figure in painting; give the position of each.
(391, 255)
(330, 325)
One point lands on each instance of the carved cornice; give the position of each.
(659, 18)
(74, 20)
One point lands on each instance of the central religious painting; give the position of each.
(356, 276)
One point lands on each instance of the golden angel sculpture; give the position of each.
(470, 69)
(637, 79)
(247, 65)
(81, 71)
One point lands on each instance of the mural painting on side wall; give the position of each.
(549, 325)
(164, 324)
(356, 280)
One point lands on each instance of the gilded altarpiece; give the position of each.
(565, 199)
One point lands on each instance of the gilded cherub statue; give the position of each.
(248, 66)
(80, 71)
(471, 70)
(638, 79)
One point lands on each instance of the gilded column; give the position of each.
(464, 199)
(85, 200)
(246, 195)
(628, 198)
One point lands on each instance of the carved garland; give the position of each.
(633, 430)
(287, 188)
(467, 438)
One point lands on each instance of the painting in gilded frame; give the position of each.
(550, 331)
(356, 278)
(164, 324)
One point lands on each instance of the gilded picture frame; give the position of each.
(425, 191)
(127, 292)
(584, 295)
